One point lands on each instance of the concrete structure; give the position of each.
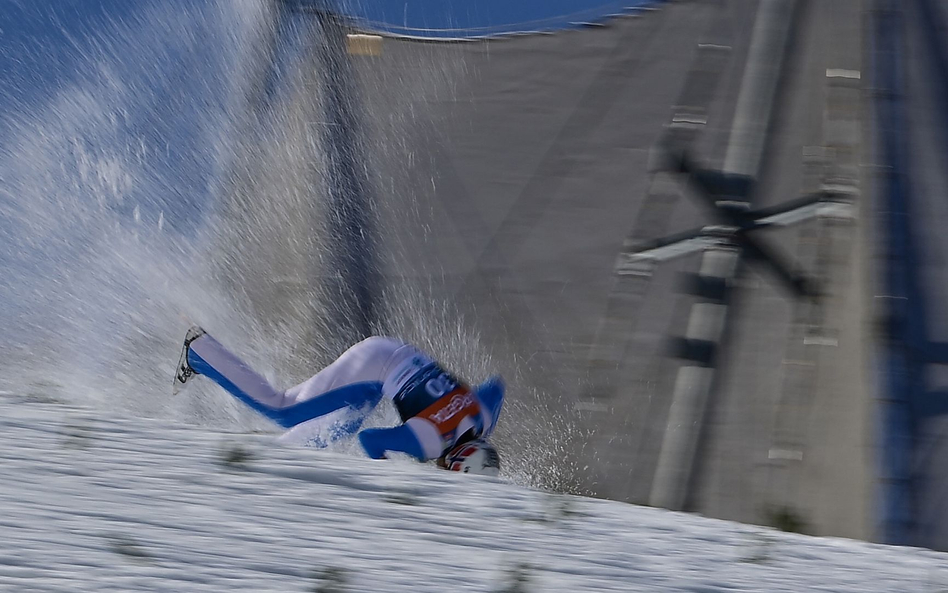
(512, 173)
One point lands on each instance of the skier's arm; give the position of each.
(490, 394)
(401, 439)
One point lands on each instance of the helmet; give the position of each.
(475, 457)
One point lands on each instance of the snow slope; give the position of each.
(117, 504)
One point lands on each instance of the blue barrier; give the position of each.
(463, 19)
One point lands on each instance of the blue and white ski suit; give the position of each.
(436, 408)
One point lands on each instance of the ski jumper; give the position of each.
(437, 409)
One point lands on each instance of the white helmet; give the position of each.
(474, 457)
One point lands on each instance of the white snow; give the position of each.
(93, 503)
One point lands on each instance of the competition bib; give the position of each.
(454, 413)
(425, 390)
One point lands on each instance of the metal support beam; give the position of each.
(694, 384)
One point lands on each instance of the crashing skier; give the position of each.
(442, 417)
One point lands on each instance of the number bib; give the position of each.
(425, 390)
(448, 413)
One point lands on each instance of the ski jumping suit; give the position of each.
(437, 409)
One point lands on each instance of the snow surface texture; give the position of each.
(99, 504)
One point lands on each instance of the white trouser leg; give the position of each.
(224, 365)
(368, 361)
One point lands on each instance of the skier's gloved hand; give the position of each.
(490, 394)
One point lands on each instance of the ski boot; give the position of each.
(184, 370)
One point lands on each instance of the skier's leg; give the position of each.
(208, 357)
(369, 361)
(358, 396)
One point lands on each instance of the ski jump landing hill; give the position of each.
(120, 504)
